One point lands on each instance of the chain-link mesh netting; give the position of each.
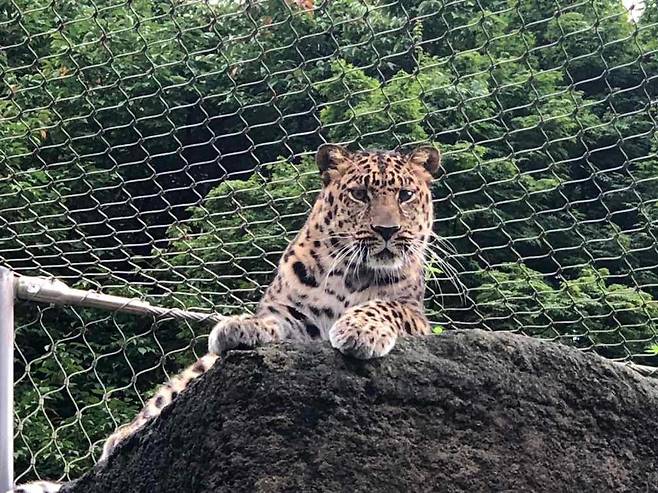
(163, 150)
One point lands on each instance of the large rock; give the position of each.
(464, 411)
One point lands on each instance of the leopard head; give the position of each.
(377, 205)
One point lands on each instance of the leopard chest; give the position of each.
(319, 307)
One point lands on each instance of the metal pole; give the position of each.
(6, 379)
(54, 291)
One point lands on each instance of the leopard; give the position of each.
(353, 275)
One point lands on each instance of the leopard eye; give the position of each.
(405, 195)
(359, 194)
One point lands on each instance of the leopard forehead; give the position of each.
(384, 170)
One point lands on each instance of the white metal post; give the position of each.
(6, 379)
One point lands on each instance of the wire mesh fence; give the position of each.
(163, 150)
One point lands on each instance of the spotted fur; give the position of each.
(353, 275)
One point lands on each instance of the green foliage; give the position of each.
(586, 312)
(154, 148)
(438, 329)
(235, 238)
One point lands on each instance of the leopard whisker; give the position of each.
(342, 253)
(451, 271)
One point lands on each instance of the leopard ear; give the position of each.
(426, 157)
(332, 160)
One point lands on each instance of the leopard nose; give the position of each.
(386, 232)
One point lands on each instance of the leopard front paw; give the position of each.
(234, 332)
(362, 339)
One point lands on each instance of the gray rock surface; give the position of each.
(463, 411)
